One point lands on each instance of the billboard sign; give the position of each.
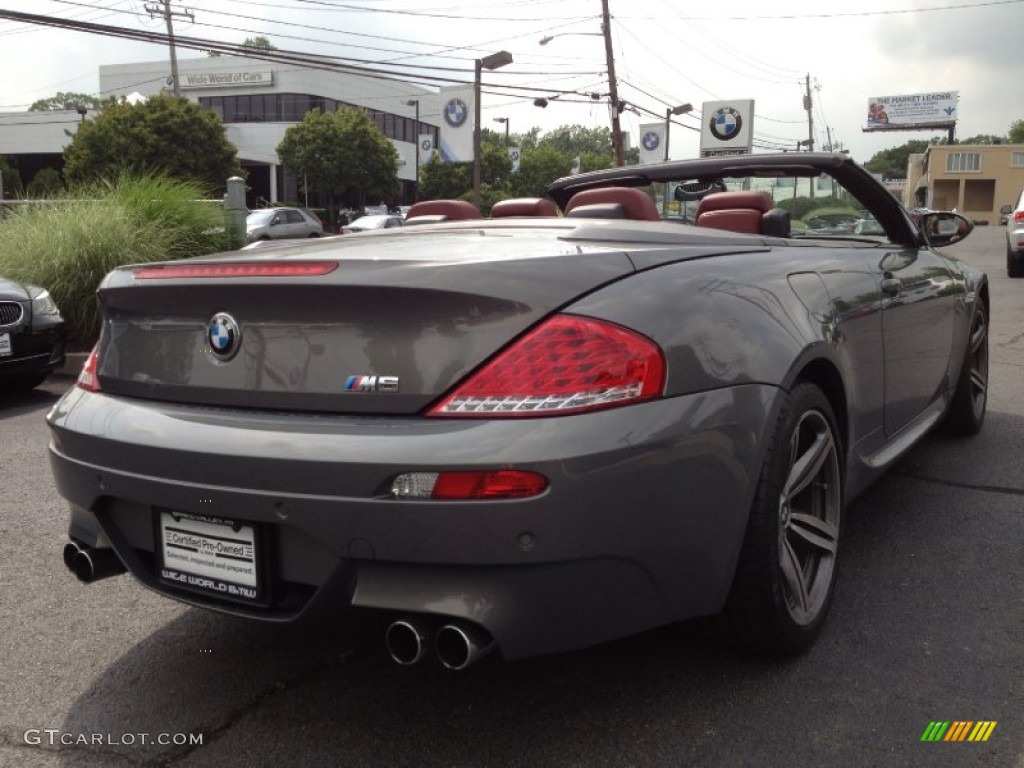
(728, 127)
(915, 110)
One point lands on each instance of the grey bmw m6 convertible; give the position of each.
(532, 432)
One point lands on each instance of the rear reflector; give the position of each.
(453, 486)
(569, 364)
(87, 379)
(236, 269)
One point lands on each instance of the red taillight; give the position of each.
(569, 364)
(87, 379)
(484, 484)
(1018, 216)
(236, 269)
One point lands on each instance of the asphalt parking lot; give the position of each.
(928, 625)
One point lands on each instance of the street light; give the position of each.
(504, 120)
(682, 109)
(495, 60)
(616, 106)
(416, 138)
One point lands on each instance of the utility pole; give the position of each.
(613, 89)
(167, 13)
(808, 105)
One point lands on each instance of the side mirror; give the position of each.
(942, 228)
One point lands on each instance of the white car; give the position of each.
(281, 223)
(380, 221)
(1015, 239)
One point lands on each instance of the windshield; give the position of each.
(259, 217)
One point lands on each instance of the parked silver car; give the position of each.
(281, 223)
(1015, 239)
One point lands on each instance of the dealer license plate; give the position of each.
(209, 555)
(5, 345)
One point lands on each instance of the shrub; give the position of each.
(67, 246)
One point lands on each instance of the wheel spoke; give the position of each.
(807, 466)
(979, 381)
(815, 531)
(978, 337)
(793, 576)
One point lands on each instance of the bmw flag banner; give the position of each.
(728, 127)
(515, 155)
(457, 124)
(652, 143)
(426, 153)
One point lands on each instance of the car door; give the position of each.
(919, 295)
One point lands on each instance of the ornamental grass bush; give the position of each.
(68, 245)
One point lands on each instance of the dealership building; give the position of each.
(257, 101)
(976, 179)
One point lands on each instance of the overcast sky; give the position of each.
(667, 52)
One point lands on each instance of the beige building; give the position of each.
(976, 179)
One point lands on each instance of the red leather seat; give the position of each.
(451, 209)
(634, 202)
(523, 206)
(739, 211)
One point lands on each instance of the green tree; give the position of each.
(1016, 133)
(259, 42)
(67, 100)
(577, 139)
(11, 180)
(984, 138)
(46, 183)
(892, 163)
(445, 181)
(164, 134)
(538, 168)
(343, 154)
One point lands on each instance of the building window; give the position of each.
(1017, 159)
(959, 162)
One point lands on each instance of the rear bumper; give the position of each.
(640, 527)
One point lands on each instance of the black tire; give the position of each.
(785, 577)
(1014, 262)
(966, 412)
(24, 382)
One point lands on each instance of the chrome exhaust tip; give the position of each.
(71, 550)
(407, 641)
(92, 565)
(459, 646)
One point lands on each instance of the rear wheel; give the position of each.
(966, 413)
(786, 573)
(1014, 262)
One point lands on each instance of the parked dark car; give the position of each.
(31, 335)
(526, 434)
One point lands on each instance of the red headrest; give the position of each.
(718, 201)
(635, 202)
(523, 206)
(451, 209)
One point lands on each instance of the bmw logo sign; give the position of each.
(456, 112)
(726, 124)
(224, 335)
(651, 140)
(426, 144)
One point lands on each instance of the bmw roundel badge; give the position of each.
(455, 112)
(224, 335)
(726, 124)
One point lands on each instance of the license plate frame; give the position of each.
(212, 556)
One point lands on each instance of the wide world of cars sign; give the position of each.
(911, 111)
